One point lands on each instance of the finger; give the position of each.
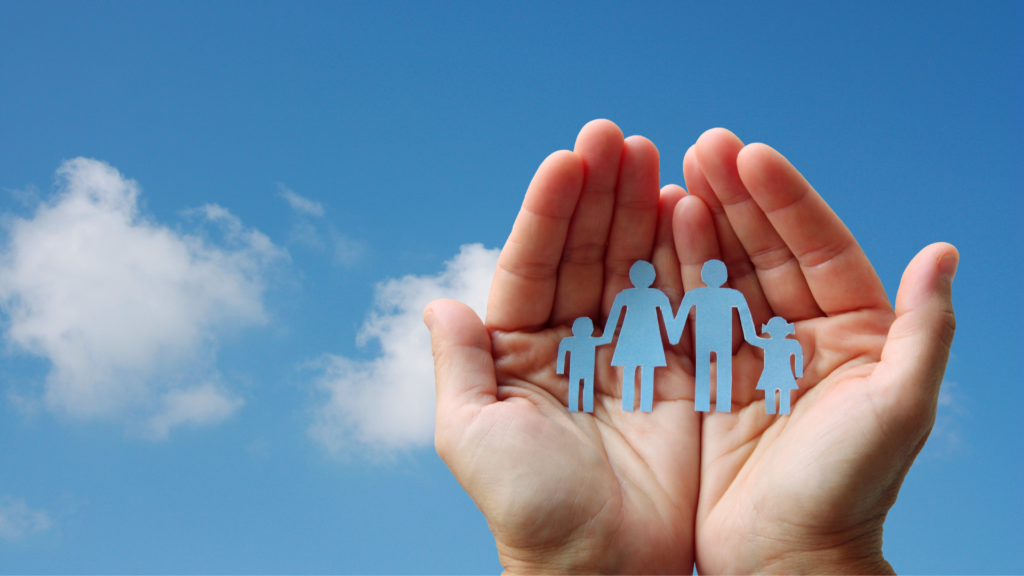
(741, 272)
(666, 264)
(463, 368)
(917, 348)
(523, 290)
(837, 271)
(777, 270)
(669, 279)
(635, 219)
(696, 241)
(581, 273)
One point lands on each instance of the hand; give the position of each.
(611, 491)
(808, 492)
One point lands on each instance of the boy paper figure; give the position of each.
(777, 374)
(581, 346)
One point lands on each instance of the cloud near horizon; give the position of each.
(128, 311)
(386, 404)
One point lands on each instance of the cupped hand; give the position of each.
(808, 492)
(611, 491)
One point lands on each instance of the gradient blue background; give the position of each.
(418, 126)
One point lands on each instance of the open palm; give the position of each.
(809, 491)
(736, 491)
(611, 491)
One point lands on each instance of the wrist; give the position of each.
(859, 555)
(828, 562)
(569, 559)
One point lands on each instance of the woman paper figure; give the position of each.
(640, 345)
(777, 375)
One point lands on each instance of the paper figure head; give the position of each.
(583, 326)
(714, 273)
(641, 274)
(778, 327)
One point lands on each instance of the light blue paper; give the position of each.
(581, 348)
(777, 375)
(713, 334)
(640, 347)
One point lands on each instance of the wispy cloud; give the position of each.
(946, 437)
(301, 204)
(127, 311)
(387, 403)
(17, 520)
(310, 231)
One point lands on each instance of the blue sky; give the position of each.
(230, 380)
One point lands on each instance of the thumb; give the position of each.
(463, 368)
(917, 348)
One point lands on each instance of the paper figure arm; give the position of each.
(563, 349)
(613, 321)
(747, 322)
(675, 325)
(759, 341)
(798, 355)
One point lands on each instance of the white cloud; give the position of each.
(387, 403)
(946, 437)
(320, 236)
(17, 520)
(346, 250)
(127, 311)
(196, 406)
(301, 204)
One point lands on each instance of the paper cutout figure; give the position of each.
(640, 346)
(581, 348)
(777, 375)
(713, 334)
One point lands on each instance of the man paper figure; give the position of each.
(777, 375)
(713, 334)
(581, 348)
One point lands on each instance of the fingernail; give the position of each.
(947, 267)
(428, 318)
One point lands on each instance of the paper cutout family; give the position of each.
(640, 346)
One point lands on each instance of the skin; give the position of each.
(736, 492)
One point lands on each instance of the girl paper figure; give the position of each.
(777, 374)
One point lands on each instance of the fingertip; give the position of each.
(693, 203)
(717, 144)
(692, 225)
(566, 161)
(763, 168)
(428, 316)
(600, 130)
(641, 145)
(929, 274)
(672, 193)
(556, 185)
(949, 260)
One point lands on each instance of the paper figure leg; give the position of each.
(647, 389)
(784, 401)
(723, 381)
(574, 394)
(588, 394)
(628, 387)
(769, 401)
(702, 382)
